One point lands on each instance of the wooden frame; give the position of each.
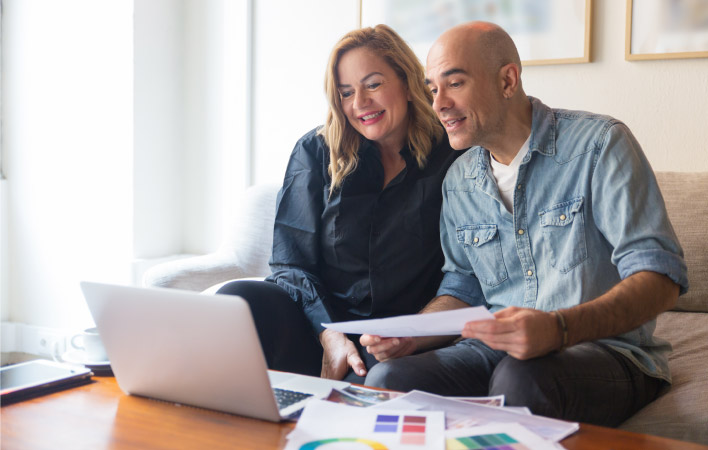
(561, 32)
(644, 30)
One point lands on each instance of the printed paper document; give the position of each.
(441, 323)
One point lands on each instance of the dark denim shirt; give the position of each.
(364, 252)
(588, 213)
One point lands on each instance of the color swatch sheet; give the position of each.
(460, 414)
(502, 436)
(331, 426)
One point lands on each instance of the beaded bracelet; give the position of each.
(564, 329)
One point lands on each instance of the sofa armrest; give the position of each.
(196, 273)
(243, 254)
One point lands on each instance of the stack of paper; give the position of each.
(360, 419)
(419, 420)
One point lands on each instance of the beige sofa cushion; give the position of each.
(681, 412)
(685, 196)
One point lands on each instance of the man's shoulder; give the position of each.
(578, 125)
(570, 117)
(568, 133)
(463, 167)
(574, 119)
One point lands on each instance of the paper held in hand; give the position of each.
(441, 323)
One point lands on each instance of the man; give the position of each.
(554, 220)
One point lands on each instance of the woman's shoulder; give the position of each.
(312, 144)
(442, 154)
(312, 139)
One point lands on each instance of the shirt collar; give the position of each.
(368, 147)
(543, 128)
(542, 140)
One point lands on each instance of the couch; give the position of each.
(681, 412)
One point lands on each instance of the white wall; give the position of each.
(103, 171)
(663, 102)
(190, 89)
(67, 142)
(292, 42)
(159, 127)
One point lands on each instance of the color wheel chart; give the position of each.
(499, 441)
(323, 444)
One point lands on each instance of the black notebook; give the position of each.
(33, 378)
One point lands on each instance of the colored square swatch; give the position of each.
(413, 439)
(383, 418)
(414, 419)
(413, 428)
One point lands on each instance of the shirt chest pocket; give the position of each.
(483, 248)
(563, 228)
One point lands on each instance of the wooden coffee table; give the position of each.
(100, 416)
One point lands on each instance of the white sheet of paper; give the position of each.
(441, 323)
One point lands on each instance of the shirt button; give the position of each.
(521, 231)
(529, 273)
(518, 187)
(562, 217)
(476, 240)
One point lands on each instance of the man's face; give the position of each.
(467, 97)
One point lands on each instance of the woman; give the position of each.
(357, 223)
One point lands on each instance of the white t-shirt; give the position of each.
(506, 175)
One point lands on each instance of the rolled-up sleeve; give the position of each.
(630, 212)
(296, 235)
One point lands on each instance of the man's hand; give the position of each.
(388, 348)
(522, 333)
(528, 333)
(338, 355)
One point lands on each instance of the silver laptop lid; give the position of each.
(184, 347)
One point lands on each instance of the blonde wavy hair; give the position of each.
(424, 128)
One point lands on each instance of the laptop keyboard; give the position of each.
(286, 398)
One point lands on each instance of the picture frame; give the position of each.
(548, 32)
(666, 30)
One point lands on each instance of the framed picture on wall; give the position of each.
(666, 29)
(544, 31)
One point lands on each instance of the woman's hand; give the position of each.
(339, 354)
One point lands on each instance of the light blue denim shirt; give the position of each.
(587, 213)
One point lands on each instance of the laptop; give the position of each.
(195, 349)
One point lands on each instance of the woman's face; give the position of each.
(374, 99)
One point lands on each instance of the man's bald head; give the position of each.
(486, 43)
(473, 71)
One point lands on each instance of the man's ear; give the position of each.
(510, 79)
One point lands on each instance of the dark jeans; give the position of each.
(588, 382)
(289, 343)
